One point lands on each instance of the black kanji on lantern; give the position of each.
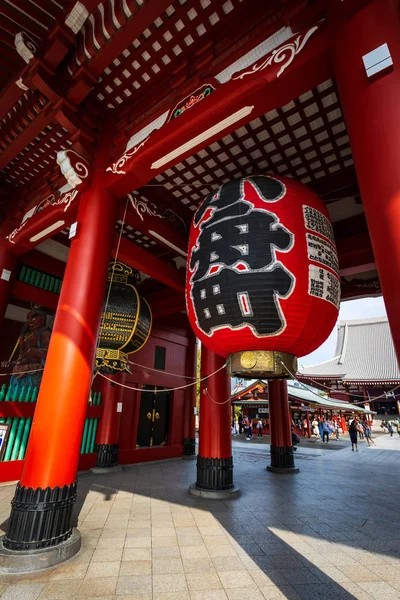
(237, 279)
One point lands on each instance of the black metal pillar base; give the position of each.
(189, 448)
(214, 474)
(282, 460)
(40, 518)
(214, 494)
(107, 455)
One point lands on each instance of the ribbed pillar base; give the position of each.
(214, 473)
(107, 455)
(189, 447)
(282, 460)
(40, 518)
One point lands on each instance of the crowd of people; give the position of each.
(246, 425)
(359, 429)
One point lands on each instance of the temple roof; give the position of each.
(297, 392)
(364, 353)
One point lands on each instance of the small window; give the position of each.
(159, 358)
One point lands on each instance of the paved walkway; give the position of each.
(330, 532)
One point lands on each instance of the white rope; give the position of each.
(205, 391)
(181, 387)
(163, 372)
(20, 372)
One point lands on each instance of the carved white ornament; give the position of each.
(25, 46)
(117, 166)
(284, 54)
(73, 167)
(66, 199)
(142, 207)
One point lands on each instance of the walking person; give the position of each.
(259, 427)
(336, 429)
(250, 428)
(353, 435)
(246, 424)
(390, 428)
(320, 429)
(368, 432)
(360, 430)
(315, 427)
(326, 430)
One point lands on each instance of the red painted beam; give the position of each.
(355, 251)
(30, 293)
(166, 302)
(140, 259)
(17, 409)
(42, 262)
(259, 93)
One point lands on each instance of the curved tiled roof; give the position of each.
(298, 392)
(364, 352)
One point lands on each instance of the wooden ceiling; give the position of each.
(127, 61)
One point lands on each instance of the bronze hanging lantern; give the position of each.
(125, 322)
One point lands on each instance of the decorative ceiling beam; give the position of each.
(143, 261)
(156, 226)
(249, 94)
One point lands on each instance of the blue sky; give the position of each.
(363, 308)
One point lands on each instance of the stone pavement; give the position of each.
(332, 531)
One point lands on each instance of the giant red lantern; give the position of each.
(262, 277)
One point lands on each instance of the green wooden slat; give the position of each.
(42, 280)
(89, 436)
(32, 277)
(25, 437)
(37, 278)
(84, 436)
(3, 392)
(22, 273)
(91, 447)
(27, 276)
(8, 394)
(11, 438)
(18, 439)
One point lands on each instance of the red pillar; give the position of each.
(54, 444)
(8, 262)
(282, 459)
(107, 436)
(189, 433)
(371, 109)
(214, 461)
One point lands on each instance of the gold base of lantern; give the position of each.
(111, 361)
(254, 364)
